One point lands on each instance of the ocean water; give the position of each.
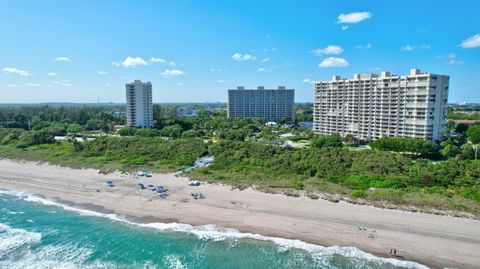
(37, 233)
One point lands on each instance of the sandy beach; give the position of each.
(435, 241)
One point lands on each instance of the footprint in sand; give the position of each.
(238, 204)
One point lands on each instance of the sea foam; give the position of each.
(12, 238)
(67, 256)
(215, 232)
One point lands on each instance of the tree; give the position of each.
(192, 134)
(329, 141)
(473, 133)
(127, 131)
(146, 132)
(233, 134)
(350, 139)
(467, 152)
(450, 150)
(173, 131)
(74, 128)
(94, 124)
(35, 138)
(404, 145)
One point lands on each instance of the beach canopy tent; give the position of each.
(141, 186)
(150, 186)
(161, 189)
(110, 183)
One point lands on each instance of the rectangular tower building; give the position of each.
(139, 104)
(271, 105)
(371, 106)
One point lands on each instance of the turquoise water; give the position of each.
(36, 233)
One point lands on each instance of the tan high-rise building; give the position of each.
(139, 104)
(371, 106)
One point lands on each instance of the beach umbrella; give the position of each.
(109, 182)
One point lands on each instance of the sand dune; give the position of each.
(437, 241)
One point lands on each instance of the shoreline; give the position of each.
(432, 240)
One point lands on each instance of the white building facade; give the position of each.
(270, 104)
(139, 104)
(372, 106)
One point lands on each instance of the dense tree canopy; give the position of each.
(405, 145)
(473, 133)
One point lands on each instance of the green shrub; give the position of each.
(298, 184)
(358, 194)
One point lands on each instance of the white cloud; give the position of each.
(345, 28)
(171, 63)
(62, 59)
(172, 73)
(51, 74)
(215, 69)
(32, 84)
(274, 49)
(14, 86)
(13, 70)
(265, 60)
(363, 46)
(307, 80)
(131, 62)
(408, 48)
(243, 57)
(261, 69)
(102, 72)
(414, 47)
(354, 17)
(452, 58)
(471, 42)
(453, 61)
(333, 62)
(64, 83)
(157, 60)
(220, 81)
(330, 49)
(179, 84)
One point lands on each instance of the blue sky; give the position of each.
(193, 51)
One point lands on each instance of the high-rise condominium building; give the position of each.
(139, 104)
(271, 105)
(371, 106)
